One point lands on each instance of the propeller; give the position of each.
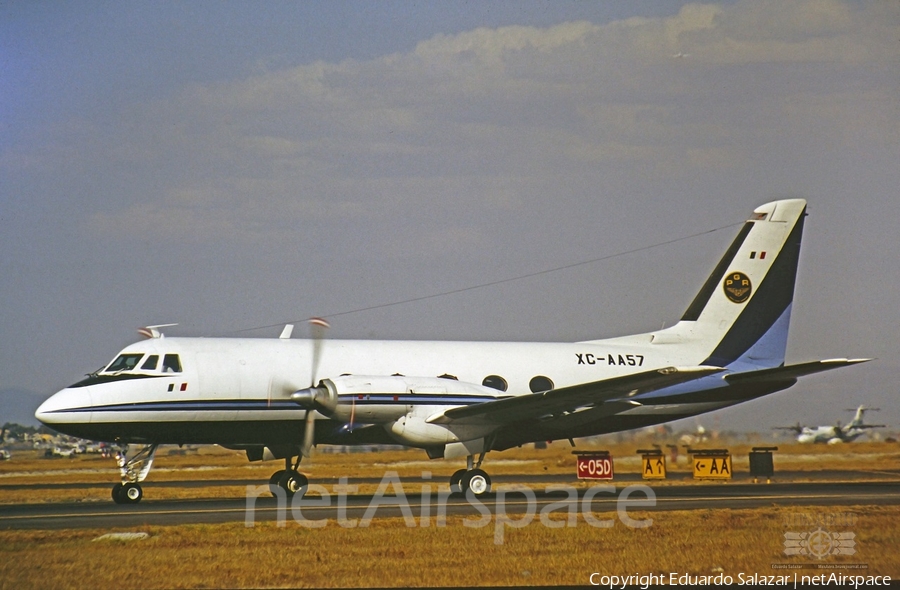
(312, 397)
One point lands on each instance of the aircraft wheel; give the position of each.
(477, 481)
(117, 493)
(295, 482)
(457, 476)
(275, 481)
(131, 493)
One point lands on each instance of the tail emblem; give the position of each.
(737, 287)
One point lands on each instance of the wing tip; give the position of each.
(845, 361)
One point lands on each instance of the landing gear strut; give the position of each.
(288, 479)
(472, 478)
(133, 471)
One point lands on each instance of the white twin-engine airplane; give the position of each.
(277, 398)
(834, 434)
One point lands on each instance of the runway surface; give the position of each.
(335, 506)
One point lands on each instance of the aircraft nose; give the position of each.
(71, 405)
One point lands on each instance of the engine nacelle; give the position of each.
(403, 404)
(417, 432)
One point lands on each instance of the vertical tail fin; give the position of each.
(858, 418)
(742, 313)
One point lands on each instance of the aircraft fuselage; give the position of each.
(237, 391)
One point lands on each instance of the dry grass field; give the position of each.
(387, 553)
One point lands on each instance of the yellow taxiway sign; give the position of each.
(712, 465)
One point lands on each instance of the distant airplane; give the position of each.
(681, 55)
(276, 398)
(834, 434)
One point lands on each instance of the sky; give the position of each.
(235, 166)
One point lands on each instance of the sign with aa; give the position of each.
(712, 466)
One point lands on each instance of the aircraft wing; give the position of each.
(795, 428)
(790, 372)
(535, 405)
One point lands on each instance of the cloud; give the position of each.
(794, 22)
(493, 46)
(420, 135)
(281, 192)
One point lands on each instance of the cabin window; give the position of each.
(150, 363)
(125, 362)
(171, 364)
(495, 382)
(540, 383)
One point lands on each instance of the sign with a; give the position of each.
(712, 465)
(653, 466)
(590, 465)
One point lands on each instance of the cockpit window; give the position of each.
(171, 364)
(150, 363)
(125, 362)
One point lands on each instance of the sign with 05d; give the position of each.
(594, 466)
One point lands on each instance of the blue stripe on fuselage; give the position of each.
(281, 405)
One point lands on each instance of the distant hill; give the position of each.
(18, 406)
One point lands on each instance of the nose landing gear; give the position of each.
(127, 493)
(133, 471)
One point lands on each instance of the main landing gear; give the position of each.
(471, 479)
(133, 471)
(288, 479)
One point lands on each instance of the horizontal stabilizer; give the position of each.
(522, 407)
(790, 372)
